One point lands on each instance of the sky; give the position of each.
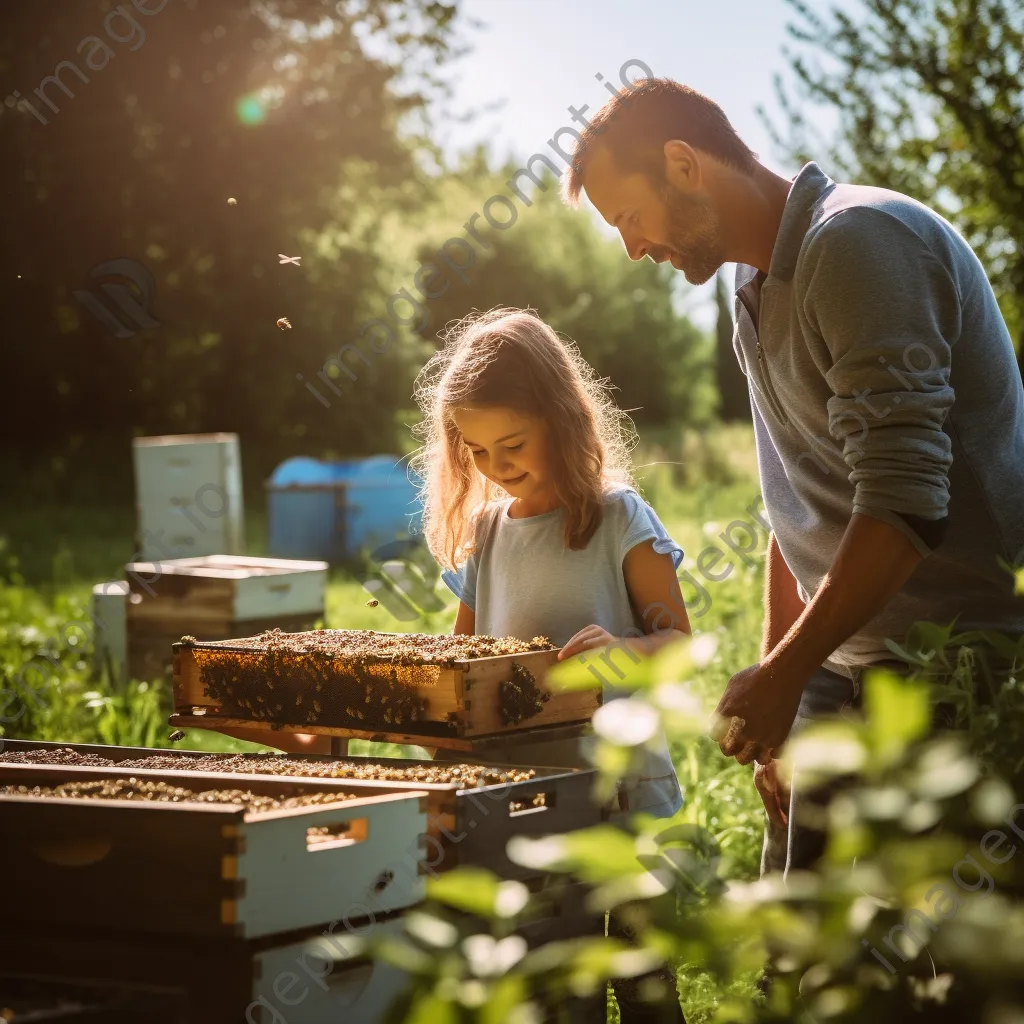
(540, 56)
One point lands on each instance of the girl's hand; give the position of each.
(586, 640)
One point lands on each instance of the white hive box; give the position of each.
(215, 597)
(188, 495)
(110, 647)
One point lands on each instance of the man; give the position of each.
(887, 405)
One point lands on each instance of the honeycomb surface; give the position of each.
(405, 649)
(156, 791)
(355, 679)
(464, 776)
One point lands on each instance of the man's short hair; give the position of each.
(635, 126)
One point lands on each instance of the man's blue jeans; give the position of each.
(803, 842)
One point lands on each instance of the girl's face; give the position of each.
(509, 448)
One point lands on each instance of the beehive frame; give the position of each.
(460, 704)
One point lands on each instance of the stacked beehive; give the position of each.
(212, 598)
(190, 573)
(264, 887)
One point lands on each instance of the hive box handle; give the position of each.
(356, 974)
(80, 852)
(535, 804)
(348, 975)
(333, 836)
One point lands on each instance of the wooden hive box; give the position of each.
(210, 869)
(36, 1000)
(465, 826)
(215, 597)
(211, 981)
(308, 977)
(456, 705)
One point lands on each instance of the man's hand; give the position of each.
(756, 712)
(773, 792)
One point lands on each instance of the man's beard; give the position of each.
(695, 235)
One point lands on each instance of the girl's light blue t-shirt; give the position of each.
(523, 581)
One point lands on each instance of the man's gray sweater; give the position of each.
(883, 382)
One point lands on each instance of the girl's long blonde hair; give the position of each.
(510, 357)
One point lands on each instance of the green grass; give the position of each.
(52, 554)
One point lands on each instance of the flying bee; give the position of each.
(282, 259)
(178, 734)
(372, 603)
(284, 323)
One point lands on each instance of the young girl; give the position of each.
(530, 510)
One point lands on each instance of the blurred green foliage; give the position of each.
(914, 912)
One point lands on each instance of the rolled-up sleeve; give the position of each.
(889, 313)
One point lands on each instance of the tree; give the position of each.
(297, 110)
(620, 313)
(929, 95)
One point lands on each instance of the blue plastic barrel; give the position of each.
(335, 510)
